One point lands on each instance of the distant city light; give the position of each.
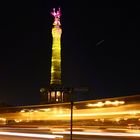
(106, 103)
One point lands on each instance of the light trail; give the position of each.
(38, 128)
(31, 135)
(99, 42)
(101, 134)
(101, 114)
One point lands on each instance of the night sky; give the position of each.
(100, 48)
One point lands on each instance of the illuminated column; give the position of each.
(56, 49)
(55, 92)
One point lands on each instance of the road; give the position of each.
(57, 134)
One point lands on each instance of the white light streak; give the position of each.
(31, 135)
(99, 42)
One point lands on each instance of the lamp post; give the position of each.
(73, 90)
(71, 106)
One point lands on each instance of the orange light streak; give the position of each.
(101, 134)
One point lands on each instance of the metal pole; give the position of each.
(71, 121)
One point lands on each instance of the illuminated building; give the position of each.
(55, 92)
